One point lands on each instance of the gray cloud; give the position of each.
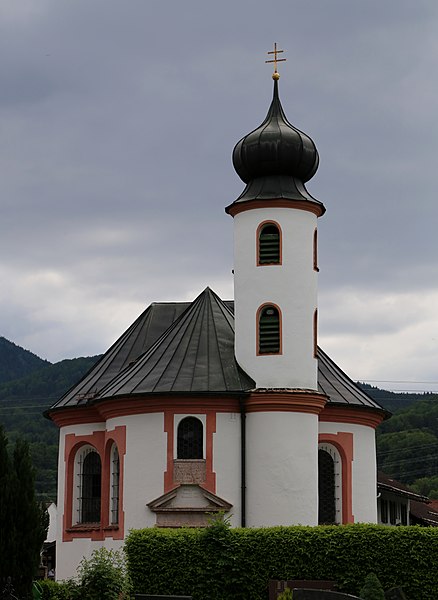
(117, 121)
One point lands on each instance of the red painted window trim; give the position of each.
(343, 442)
(280, 241)
(315, 333)
(315, 250)
(102, 442)
(210, 429)
(280, 316)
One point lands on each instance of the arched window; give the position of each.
(269, 244)
(114, 485)
(89, 473)
(269, 327)
(315, 333)
(315, 250)
(329, 485)
(190, 439)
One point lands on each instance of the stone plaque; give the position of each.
(189, 471)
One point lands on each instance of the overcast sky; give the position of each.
(117, 123)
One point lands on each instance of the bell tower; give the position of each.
(275, 307)
(275, 254)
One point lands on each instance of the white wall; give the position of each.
(145, 464)
(364, 469)
(292, 286)
(144, 467)
(226, 462)
(282, 469)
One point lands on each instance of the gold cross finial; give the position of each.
(276, 60)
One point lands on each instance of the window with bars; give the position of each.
(269, 330)
(89, 475)
(190, 436)
(115, 479)
(326, 488)
(269, 245)
(384, 510)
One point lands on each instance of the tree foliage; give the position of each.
(407, 445)
(372, 588)
(22, 403)
(103, 576)
(23, 522)
(238, 563)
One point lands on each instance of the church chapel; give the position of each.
(224, 406)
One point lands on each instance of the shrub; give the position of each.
(231, 564)
(59, 590)
(286, 595)
(101, 577)
(104, 576)
(372, 589)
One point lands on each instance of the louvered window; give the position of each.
(326, 488)
(190, 439)
(89, 487)
(269, 245)
(269, 330)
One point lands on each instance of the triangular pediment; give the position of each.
(189, 497)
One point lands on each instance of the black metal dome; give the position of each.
(276, 148)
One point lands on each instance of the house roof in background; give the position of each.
(385, 482)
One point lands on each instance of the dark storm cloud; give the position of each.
(117, 122)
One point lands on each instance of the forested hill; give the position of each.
(16, 362)
(407, 446)
(407, 443)
(22, 402)
(394, 401)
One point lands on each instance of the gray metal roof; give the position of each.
(338, 387)
(188, 347)
(136, 340)
(196, 354)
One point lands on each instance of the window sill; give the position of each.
(91, 527)
(84, 527)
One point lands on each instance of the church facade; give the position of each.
(224, 406)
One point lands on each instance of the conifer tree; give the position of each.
(28, 528)
(23, 523)
(372, 589)
(5, 508)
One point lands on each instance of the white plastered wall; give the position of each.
(282, 469)
(73, 552)
(144, 467)
(363, 469)
(292, 286)
(226, 462)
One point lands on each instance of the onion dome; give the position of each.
(276, 159)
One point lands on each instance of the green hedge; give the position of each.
(232, 564)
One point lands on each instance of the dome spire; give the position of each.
(276, 159)
(276, 74)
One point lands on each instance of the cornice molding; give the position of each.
(285, 401)
(238, 207)
(351, 414)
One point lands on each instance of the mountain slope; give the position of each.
(16, 362)
(22, 403)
